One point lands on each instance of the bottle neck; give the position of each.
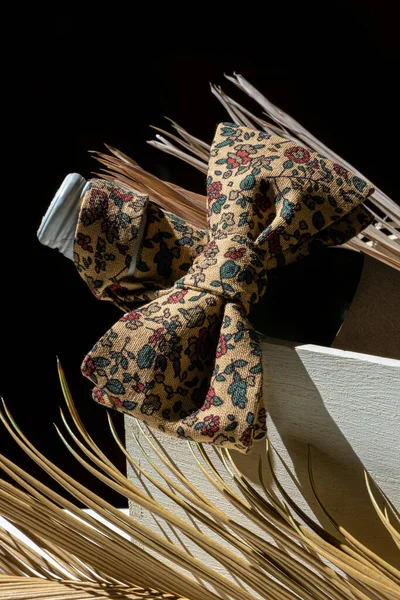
(58, 226)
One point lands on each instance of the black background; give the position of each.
(72, 84)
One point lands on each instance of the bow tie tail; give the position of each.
(188, 364)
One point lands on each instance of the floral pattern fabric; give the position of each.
(107, 237)
(188, 360)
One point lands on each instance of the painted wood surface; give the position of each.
(345, 405)
(372, 324)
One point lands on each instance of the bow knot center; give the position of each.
(232, 266)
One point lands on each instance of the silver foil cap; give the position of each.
(57, 229)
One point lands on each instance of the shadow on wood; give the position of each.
(343, 404)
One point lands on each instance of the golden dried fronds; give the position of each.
(79, 555)
(380, 240)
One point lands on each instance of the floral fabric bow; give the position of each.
(188, 361)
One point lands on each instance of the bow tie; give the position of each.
(188, 361)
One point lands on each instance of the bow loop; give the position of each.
(288, 199)
(127, 249)
(110, 219)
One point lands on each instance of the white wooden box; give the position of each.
(345, 405)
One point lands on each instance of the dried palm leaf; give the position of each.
(77, 555)
(380, 240)
(121, 168)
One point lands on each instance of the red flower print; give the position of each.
(157, 335)
(209, 401)
(98, 395)
(298, 154)
(240, 158)
(232, 162)
(115, 401)
(210, 425)
(262, 202)
(96, 194)
(222, 347)
(132, 316)
(139, 388)
(88, 367)
(84, 242)
(127, 197)
(244, 155)
(246, 437)
(235, 253)
(177, 296)
(341, 171)
(274, 243)
(214, 190)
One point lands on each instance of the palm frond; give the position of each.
(118, 167)
(380, 240)
(108, 554)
